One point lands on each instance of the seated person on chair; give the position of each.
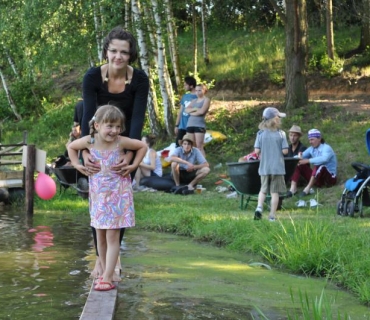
(188, 165)
(324, 161)
(295, 149)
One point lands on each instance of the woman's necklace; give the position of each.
(106, 79)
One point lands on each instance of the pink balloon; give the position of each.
(45, 186)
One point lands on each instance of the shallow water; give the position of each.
(45, 263)
(171, 277)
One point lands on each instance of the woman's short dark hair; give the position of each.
(190, 81)
(118, 33)
(150, 139)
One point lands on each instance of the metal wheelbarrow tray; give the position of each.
(244, 178)
(68, 176)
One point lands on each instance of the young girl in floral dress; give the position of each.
(110, 192)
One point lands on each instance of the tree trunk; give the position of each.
(127, 15)
(364, 13)
(8, 95)
(195, 43)
(204, 32)
(365, 30)
(163, 76)
(154, 123)
(296, 54)
(97, 25)
(279, 12)
(12, 64)
(172, 36)
(329, 29)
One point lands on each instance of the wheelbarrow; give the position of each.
(68, 176)
(245, 180)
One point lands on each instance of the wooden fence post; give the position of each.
(30, 185)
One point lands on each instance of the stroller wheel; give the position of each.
(351, 208)
(340, 211)
(345, 208)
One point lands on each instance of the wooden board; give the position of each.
(4, 175)
(100, 305)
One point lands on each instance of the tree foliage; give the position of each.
(41, 40)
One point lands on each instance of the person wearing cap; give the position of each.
(188, 165)
(271, 144)
(324, 161)
(295, 149)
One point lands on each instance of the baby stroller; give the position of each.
(356, 192)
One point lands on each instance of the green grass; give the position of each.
(238, 55)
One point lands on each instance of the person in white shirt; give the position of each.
(151, 164)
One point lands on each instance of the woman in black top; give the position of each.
(116, 83)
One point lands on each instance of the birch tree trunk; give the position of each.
(154, 123)
(195, 43)
(204, 33)
(172, 36)
(296, 94)
(97, 25)
(163, 76)
(12, 64)
(127, 15)
(8, 95)
(329, 29)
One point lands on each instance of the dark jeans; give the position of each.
(187, 177)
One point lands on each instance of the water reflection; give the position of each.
(39, 257)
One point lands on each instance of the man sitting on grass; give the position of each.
(188, 165)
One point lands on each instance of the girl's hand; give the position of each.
(119, 168)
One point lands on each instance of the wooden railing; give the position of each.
(14, 150)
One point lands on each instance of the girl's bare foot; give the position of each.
(116, 277)
(97, 271)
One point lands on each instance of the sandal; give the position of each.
(97, 280)
(104, 286)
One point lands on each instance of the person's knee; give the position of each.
(204, 170)
(174, 167)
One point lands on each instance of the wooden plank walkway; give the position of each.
(100, 305)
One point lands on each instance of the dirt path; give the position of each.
(342, 91)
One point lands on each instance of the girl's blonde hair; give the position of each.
(107, 114)
(271, 124)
